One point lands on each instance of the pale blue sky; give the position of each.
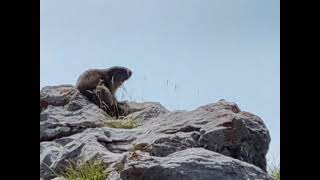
(183, 53)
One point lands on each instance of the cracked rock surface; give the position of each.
(215, 141)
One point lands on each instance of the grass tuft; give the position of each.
(274, 168)
(90, 170)
(121, 123)
(275, 173)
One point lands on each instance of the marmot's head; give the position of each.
(119, 75)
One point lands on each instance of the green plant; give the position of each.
(90, 170)
(121, 123)
(274, 168)
(275, 173)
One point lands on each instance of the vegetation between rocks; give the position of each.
(274, 169)
(275, 173)
(90, 170)
(121, 123)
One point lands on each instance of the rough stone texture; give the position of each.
(57, 122)
(142, 112)
(191, 164)
(216, 140)
(103, 142)
(56, 95)
(220, 127)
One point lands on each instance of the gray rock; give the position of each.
(190, 164)
(59, 121)
(56, 95)
(59, 178)
(72, 128)
(106, 143)
(114, 175)
(142, 112)
(67, 112)
(219, 127)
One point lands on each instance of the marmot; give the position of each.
(100, 85)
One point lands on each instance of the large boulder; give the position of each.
(219, 127)
(215, 140)
(56, 95)
(192, 164)
(106, 143)
(66, 112)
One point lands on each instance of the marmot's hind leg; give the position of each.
(91, 96)
(106, 101)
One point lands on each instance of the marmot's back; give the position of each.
(89, 79)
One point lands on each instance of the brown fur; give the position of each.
(104, 83)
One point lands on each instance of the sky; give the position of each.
(183, 53)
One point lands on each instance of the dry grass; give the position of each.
(121, 123)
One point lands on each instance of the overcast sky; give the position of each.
(183, 53)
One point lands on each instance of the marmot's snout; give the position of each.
(129, 73)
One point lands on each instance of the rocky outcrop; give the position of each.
(193, 163)
(215, 141)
